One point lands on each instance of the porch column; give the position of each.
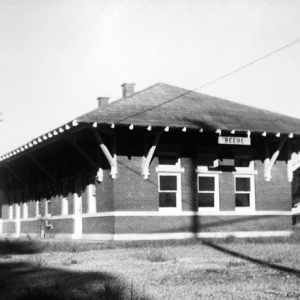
(18, 220)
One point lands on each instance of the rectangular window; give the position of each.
(244, 191)
(208, 191)
(168, 187)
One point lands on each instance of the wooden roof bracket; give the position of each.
(82, 152)
(269, 163)
(147, 160)
(36, 163)
(111, 158)
(17, 176)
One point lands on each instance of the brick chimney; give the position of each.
(102, 101)
(127, 89)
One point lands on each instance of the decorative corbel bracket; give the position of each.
(146, 160)
(269, 163)
(111, 158)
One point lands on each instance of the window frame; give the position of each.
(216, 192)
(251, 193)
(178, 206)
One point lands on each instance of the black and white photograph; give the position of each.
(149, 149)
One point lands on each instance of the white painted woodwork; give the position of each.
(264, 134)
(111, 159)
(219, 131)
(269, 164)
(149, 128)
(131, 127)
(167, 129)
(25, 210)
(91, 197)
(146, 160)
(18, 220)
(77, 216)
(95, 124)
(64, 205)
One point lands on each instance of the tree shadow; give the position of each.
(31, 281)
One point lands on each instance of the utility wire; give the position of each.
(220, 77)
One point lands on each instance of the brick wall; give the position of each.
(104, 193)
(62, 225)
(31, 209)
(131, 191)
(169, 224)
(276, 194)
(98, 225)
(8, 227)
(30, 227)
(56, 205)
(5, 211)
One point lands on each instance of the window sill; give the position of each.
(169, 168)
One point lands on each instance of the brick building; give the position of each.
(160, 163)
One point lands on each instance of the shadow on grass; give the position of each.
(27, 281)
(263, 263)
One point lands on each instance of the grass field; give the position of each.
(228, 269)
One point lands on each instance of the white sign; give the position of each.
(234, 140)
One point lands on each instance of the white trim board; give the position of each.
(175, 213)
(186, 235)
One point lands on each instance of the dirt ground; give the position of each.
(202, 270)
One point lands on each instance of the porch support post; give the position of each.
(112, 158)
(146, 160)
(269, 166)
(18, 220)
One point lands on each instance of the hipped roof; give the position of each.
(166, 105)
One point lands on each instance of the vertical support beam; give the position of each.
(147, 160)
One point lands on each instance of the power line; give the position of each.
(219, 78)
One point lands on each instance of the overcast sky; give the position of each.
(57, 57)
